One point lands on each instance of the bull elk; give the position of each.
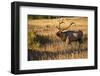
(71, 35)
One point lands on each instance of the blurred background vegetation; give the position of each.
(40, 17)
(46, 17)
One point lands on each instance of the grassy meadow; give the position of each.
(44, 44)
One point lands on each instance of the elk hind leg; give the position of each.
(79, 48)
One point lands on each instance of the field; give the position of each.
(44, 44)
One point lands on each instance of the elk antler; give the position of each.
(72, 23)
(60, 22)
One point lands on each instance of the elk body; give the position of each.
(71, 35)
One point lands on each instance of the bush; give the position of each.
(35, 41)
(32, 42)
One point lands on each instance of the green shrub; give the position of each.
(32, 42)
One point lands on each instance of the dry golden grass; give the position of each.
(51, 47)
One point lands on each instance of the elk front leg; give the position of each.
(79, 48)
(66, 44)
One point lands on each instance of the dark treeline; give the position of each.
(46, 17)
(41, 17)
